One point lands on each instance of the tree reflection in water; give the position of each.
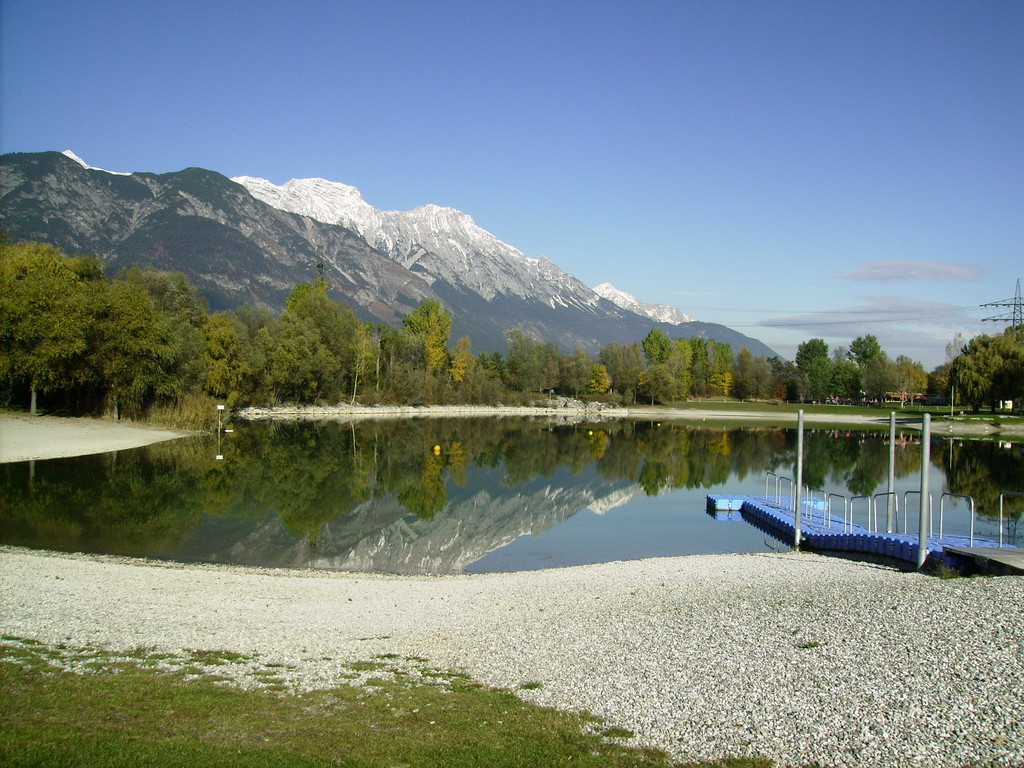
(301, 493)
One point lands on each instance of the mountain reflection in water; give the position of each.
(450, 496)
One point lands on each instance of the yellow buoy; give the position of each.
(437, 449)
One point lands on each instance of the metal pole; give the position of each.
(799, 477)
(926, 460)
(892, 473)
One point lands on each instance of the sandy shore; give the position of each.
(48, 437)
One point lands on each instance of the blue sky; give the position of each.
(790, 169)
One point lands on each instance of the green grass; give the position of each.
(119, 711)
(734, 410)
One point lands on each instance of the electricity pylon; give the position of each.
(1015, 317)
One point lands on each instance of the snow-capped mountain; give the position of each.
(248, 241)
(431, 240)
(660, 313)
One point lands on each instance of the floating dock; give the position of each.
(822, 531)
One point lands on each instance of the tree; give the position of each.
(721, 366)
(760, 378)
(180, 302)
(364, 354)
(1008, 381)
(226, 369)
(785, 379)
(990, 369)
(657, 347)
(878, 376)
(741, 374)
(522, 364)
(316, 350)
(813, 362)
(910, 377)
(430, 325)
(721, 381)
(133, 348)
(680, 366)
(657, 384)
(845, 381)
(864, 349)
(576, 373)
(600, 382)
(549, 365)
(624, 364)
(461, 359)
(700, 366)
(45, 315)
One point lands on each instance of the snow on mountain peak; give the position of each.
(661, 313)
(436, 242)
(81, 162)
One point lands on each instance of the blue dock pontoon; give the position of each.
(805, 520)
(822, 531)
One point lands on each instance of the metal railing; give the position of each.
(808, 503)
(888, 518)
(1003, 494)
(931, 506)
(778, 482)
(942, 513)
(846, 511)
(817, 500)
(853, 514)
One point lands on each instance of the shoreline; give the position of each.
(967, 428)
(799, 658)
(32, 438)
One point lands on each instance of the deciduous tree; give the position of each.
(45, 315)
(600, 382)
(430, 325)
(813, 361)
(657, 347)
(864, 349)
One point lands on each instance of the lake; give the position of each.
(467, 495)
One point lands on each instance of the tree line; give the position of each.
(86, 342)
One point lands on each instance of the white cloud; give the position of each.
(878, 309)
(920, 329)
(908, 271)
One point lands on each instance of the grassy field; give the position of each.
(733, 409)
(131, 712)
(735, 406)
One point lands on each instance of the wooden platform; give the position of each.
(993, 561)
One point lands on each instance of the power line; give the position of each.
(1015, 316)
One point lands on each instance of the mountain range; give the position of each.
(246, 240)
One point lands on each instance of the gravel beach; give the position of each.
(795, 657)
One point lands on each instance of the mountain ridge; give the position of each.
(238, 248)
(660, 313)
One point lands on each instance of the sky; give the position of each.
(791, 169)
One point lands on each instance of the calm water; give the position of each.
(462, 495)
